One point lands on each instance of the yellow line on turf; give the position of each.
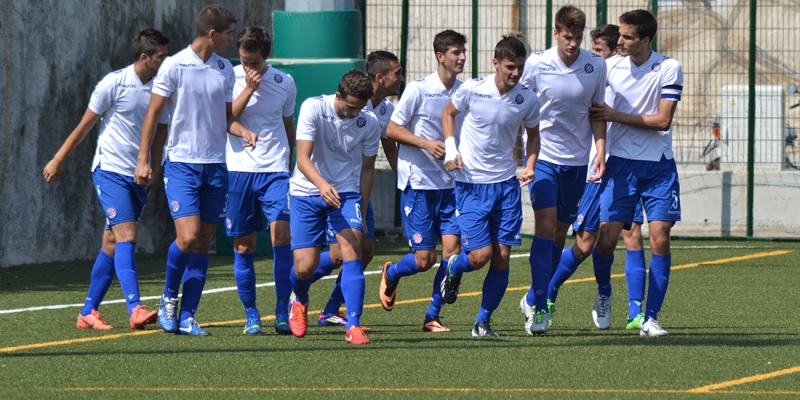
(240, 321)
(748, 379)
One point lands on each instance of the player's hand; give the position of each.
(143, 174)
(250, 139)
(452, 165)
(366, 230)
(252, 79)
(156, 172)
(52, 171)
(330, 195)
(435, 148)
(528, 174)
(601, 112)
(598, 169)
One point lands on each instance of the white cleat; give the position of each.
(652, 328)
(527, 311)
(601, 312)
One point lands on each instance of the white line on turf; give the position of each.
(145, 298)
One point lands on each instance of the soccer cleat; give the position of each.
(93, 321)
(388, 289)
(601, 312)
(450, 283)
(298, 317)
(540, 322)
(282, 324)
(190, 327)
(483, 329)
(167, 318)
(253, 324)
(434, 325)
(652, 328)
(527, 311)
(356, 335)
(337, 319)
(141, 316)
(636, 322)
(551, 309)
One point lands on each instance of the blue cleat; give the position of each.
(282, 324)
(167, 318)
(253, 324)
(190, 327)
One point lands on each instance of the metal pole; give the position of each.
(474, 38)
(654, 10)
(602, 13)
(548, 24)
(751, 117)
(404, 36)
(363, 7)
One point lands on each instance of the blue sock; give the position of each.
(461, 264)
(659, 280)
(324, 268)
(125, 265)
(636, 276)
(353, 288)
(566, 268)
(407, 266)
(244, 271)
(177, 261)
(602, 272)
(541, 260)
(436, 296)
(194, 280)
(337, 298)
(494, 287)
(102, 275)
(557, 250)
(300, 287)
(282, 265)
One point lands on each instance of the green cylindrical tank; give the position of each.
(322, 34)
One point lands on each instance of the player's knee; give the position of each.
(425, 260)
(479, 258)
(582, 251)
(282, 238)
(367, 256)
(659, 245)
(336, 259)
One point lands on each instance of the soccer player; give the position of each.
(646, 87)
(427, 195)
(197, 86)
(329, 187)
(567, 80)
(258, 180)
(487, 189)
(120, 100)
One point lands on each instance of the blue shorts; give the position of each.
(196, 189)
(331, 234)
(250, 191)
(489, 213)
(122, 199)
(558, 186)
(626, 182)
(427, 215)
(589, 210)
(311, 217)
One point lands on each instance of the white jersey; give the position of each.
(121, 101)
(197, 93)
(491, 124)
(268, 106)
(638, 91)
(336, 143)
(383, 112)
(566, 94)
(609, 98)
(420, 111)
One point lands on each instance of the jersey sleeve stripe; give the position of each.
(675, 87)
(671, 96)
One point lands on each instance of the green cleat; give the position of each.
(636, 322)
(551, 309)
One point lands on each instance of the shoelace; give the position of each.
(655, 325)
(169, 309)
(601, 311)
(98, 316)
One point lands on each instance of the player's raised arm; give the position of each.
(144, 172)
(52, 171)
(656, 122)
(452, 159)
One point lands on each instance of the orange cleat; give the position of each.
(356, 335)
(298, 319)
(388, 289)
(434, 326)
(141, 316)
(93, 321)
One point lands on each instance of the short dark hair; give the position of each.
(607, 33)
(147, 42)
(355, 83)
(447, 39)
(255, 40)
(379, 62)
(643, 21)
(570, 19)
(214, 17)
(509, 48)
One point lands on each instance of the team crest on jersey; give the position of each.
(361, 121)
(278, 78)
(228, 223)
(589, 68)
(383, 110)
(221, 64)
(580, 219)
(112, 212)
(519, 99)
(656, 67)
(464, 239)
(175, 206)
(331, 233)
(533, 198)
(417, 238)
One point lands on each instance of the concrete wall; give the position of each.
(55, 53)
